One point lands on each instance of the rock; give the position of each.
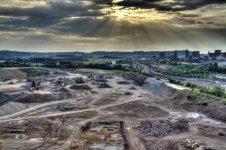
(190, 143)
(221, 134)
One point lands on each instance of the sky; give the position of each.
(112, 25)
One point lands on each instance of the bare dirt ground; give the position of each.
(64, 114)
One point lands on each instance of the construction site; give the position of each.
(91, 109)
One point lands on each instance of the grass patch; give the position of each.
(215, 91)
(36, 72)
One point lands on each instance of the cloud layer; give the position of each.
(56, 25)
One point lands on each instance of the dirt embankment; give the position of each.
(42, 98)
(190, 101)
(12, 74)
(80, 87)
(4, 96)
(159, 88)
(11, 108)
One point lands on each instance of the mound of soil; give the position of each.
(104, 86)
(159, 128)
(138, 110)
(62, 90)
(80, 87)
(128, 93)
(36, 98)
(159, 88)
(3, 96)
(4, 75)
(11, 108)
(123, 82)
(132, 88)
(69, 107)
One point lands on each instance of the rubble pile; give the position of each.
(190, 143)
(61, 82)
(163, 127)
(69, 107)
(79, 80)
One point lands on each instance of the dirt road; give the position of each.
(9, 117)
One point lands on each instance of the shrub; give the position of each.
(204, 103)
(174, 81)
(188, 84)
(36, 72)
(218, 91)
(191, 97)
(195, 90)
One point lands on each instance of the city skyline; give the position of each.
(112, 25)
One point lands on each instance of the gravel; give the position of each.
(159, 128)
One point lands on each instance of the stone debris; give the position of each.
(158, 128)
(191, 144)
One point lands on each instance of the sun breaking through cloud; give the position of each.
(88, 25)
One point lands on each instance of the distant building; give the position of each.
(195, 54)
(221, 64)
(65, 56)
(176, 55)
(217, 55)
(113, 63)
(162, 55)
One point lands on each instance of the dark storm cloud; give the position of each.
(177, 22)
(175, 5)
(191, 4)
(56, 13)
(41, 17)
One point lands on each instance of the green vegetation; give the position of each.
(196, 98)
(216, 91)
(12, 64)
(215, 68)
(192, 96)
(36, 72)
(174, 81)
(204, 103)
(103, 66)
(187, 70)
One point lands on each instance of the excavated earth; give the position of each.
(135, 112)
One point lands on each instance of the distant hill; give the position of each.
(16, 54)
